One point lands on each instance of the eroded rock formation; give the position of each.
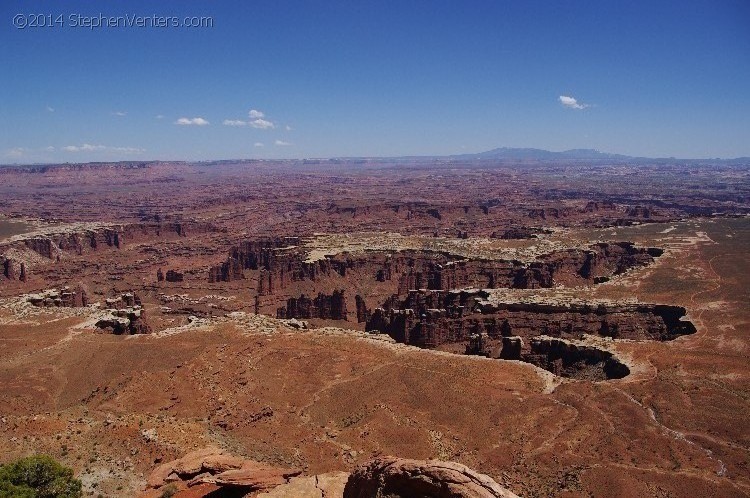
(81, 240)
(63, 297)
(522, 232)
(285, 275)
(12, 269)
(577, 361)
(174, 276)
(400, 477)
(432, 318)
(125, 315)
(326, 306)
(468, 322)
(213, 472)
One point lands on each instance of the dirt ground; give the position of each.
(112, 407)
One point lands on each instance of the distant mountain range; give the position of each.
(499, 155)
(531, 155)
(540, 154)
(583, 155)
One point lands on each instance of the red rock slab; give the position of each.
(386, 476)
(198, 491)
(253, 476)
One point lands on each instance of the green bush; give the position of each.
(38, 476)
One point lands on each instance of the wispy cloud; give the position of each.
(102, 148)
(572, 103)
(255, 114)
(258, 144)
(191, 122)
(234, 122)
(262, 124)
(288, 128)
(83, 148)
(281, 143)
(50, 109)
(159, 116)
(120, 113)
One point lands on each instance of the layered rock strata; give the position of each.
(467, 322)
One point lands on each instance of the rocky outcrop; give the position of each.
(63, 297)
(226, 272)
(430, 319)
(280, 266)
(400, 477)
(289, 285)
(468, 321)
(129, 299)
(125, 315)
(567, 359)
(602, 260)
(595, 206)
(174, 276)
(9, 269)
(252, 255)
(551, 213)
(326, 306)
(522, 232)
(128, 321)
(12, 269)
(409, 211)
(640, 212)
(81, 240)
(213, 472)
(362, 312)
(512, 347)
(43, 246)
(328, 485)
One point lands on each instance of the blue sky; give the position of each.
(377, 78)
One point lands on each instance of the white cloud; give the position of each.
(572, 103)
(281, 143)
(256, 114)
(191, 122)
(159, 116)
(49, 148)
(234, 122)
(258, 144)
(262, 124)
(100, 148)
(50, 109)
(288, 128)
(83, 148)
(120, 113)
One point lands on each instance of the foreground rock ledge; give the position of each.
(399, 477)
(208, 470)
(213, 472)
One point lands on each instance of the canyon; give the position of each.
(563, 329)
